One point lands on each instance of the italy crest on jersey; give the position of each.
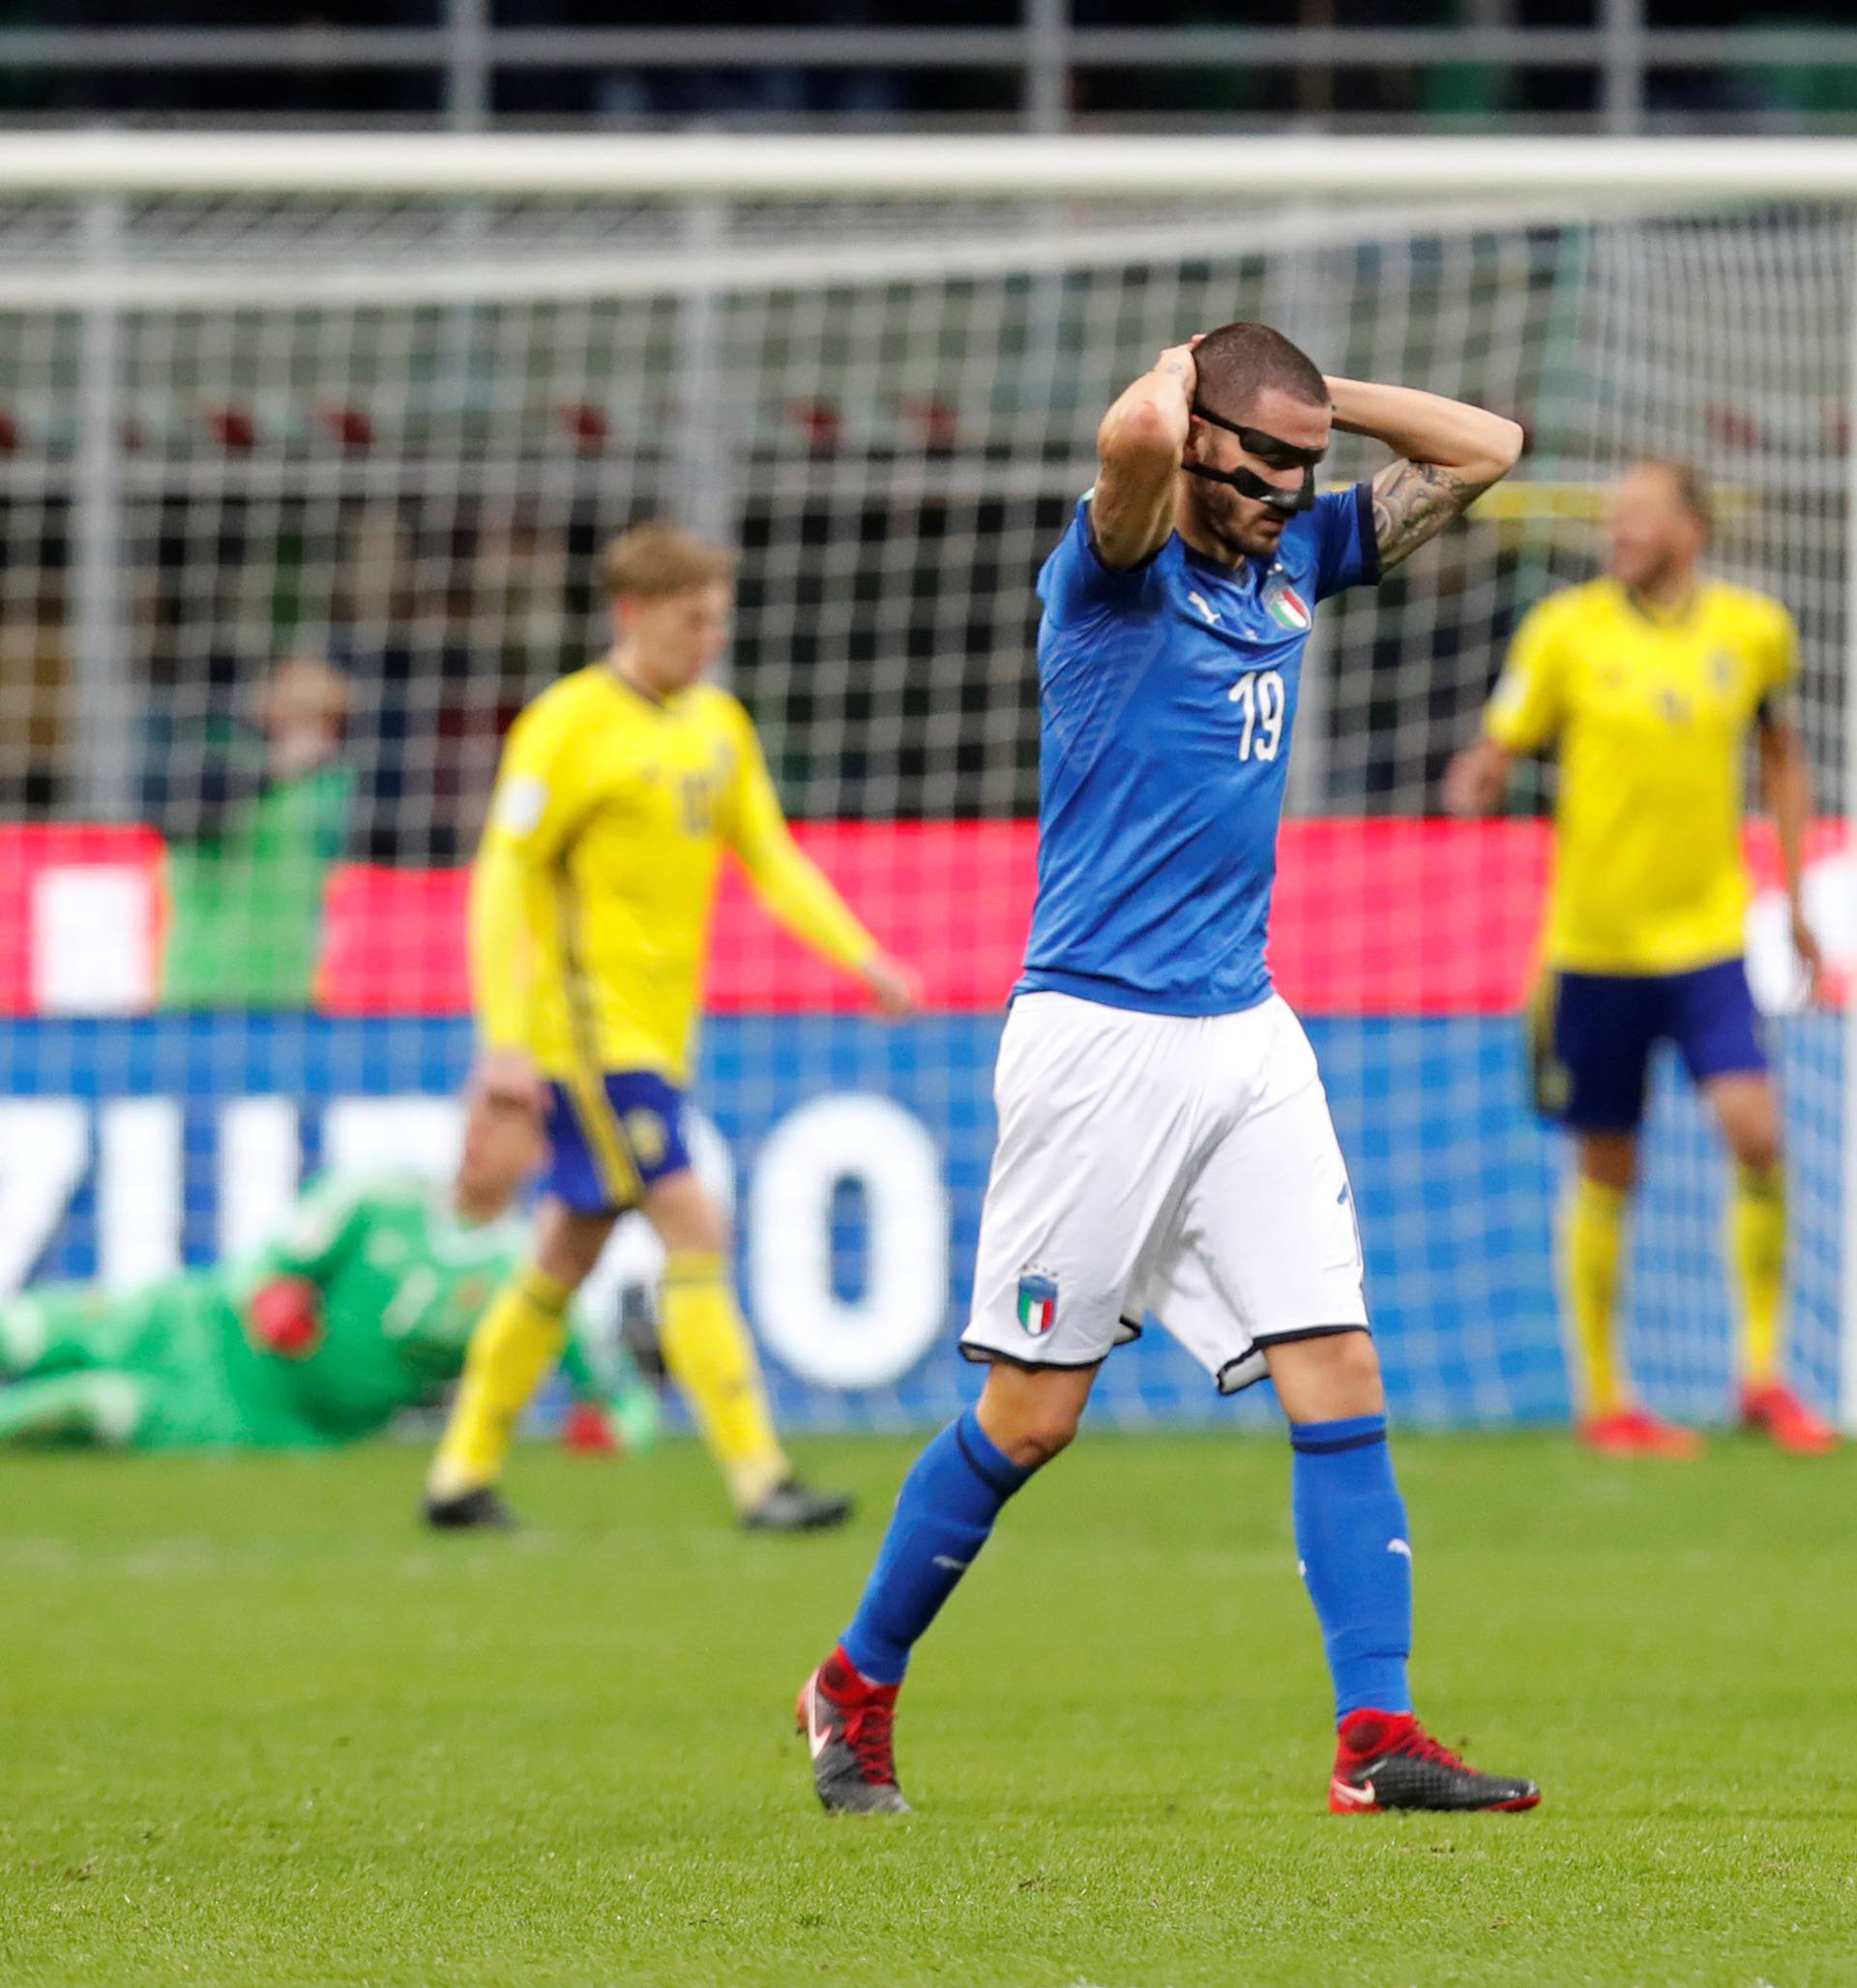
(1285, 607)
(1037, 1302)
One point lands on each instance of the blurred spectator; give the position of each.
(33, 716)
(246, 875)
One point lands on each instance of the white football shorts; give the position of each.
(1179, 1165)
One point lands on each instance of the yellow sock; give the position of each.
(706, 1346)
(1757, 1250)
(1592, 1239)
(516, 1341)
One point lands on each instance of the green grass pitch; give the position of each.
(255, 1728)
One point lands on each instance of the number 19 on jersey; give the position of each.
(1261, 703)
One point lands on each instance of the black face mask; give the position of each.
(1267, 447)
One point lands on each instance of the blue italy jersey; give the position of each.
(1167, 696)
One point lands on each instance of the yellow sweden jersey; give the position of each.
(591, 899)
(1651, 714)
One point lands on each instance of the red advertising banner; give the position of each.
(1408, 917)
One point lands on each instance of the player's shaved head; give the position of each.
(1261, 420)
(1238, 362)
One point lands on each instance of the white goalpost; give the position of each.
(373, 402)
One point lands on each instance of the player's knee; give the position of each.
(1031, 1417)
(715, 1233)
(1610, 1159)
(1352, 1363)
(1753, 1136)
(697, 1237)
(1747, 1108)
(688, 1217)
(1035, 1441)
(568, 1245)
(1757, 1148)
(569, 1263)
(1328, 1376)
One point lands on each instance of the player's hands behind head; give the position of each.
(895, 987)
(1178, 361)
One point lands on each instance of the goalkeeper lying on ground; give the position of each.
(362, 1307)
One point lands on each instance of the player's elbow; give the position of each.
(1502, 444)
(1140, 432)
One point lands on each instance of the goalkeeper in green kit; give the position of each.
(363, 1306)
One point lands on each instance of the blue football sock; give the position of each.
(1357, 1560)
(944, 1512)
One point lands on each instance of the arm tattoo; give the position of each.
(1413, 502)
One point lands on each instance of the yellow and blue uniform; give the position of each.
(1650, 712)
(591, 903)
(590, 915)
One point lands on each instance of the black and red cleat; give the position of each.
(849, 1723)
(1388, 1761)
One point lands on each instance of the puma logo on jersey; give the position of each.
(1205, 608)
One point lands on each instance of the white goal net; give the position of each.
(300, 495)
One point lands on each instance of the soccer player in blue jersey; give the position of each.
(1165, 1141)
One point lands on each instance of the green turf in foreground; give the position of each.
(254, 1728)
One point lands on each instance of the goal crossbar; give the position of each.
(407, 165)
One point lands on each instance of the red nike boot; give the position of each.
(1388, 1761)
(850, 1724)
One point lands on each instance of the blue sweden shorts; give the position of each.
(611, 1141)
(1590, 1038)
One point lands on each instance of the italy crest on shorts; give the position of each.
(1285, 607)
(1037, 1300)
